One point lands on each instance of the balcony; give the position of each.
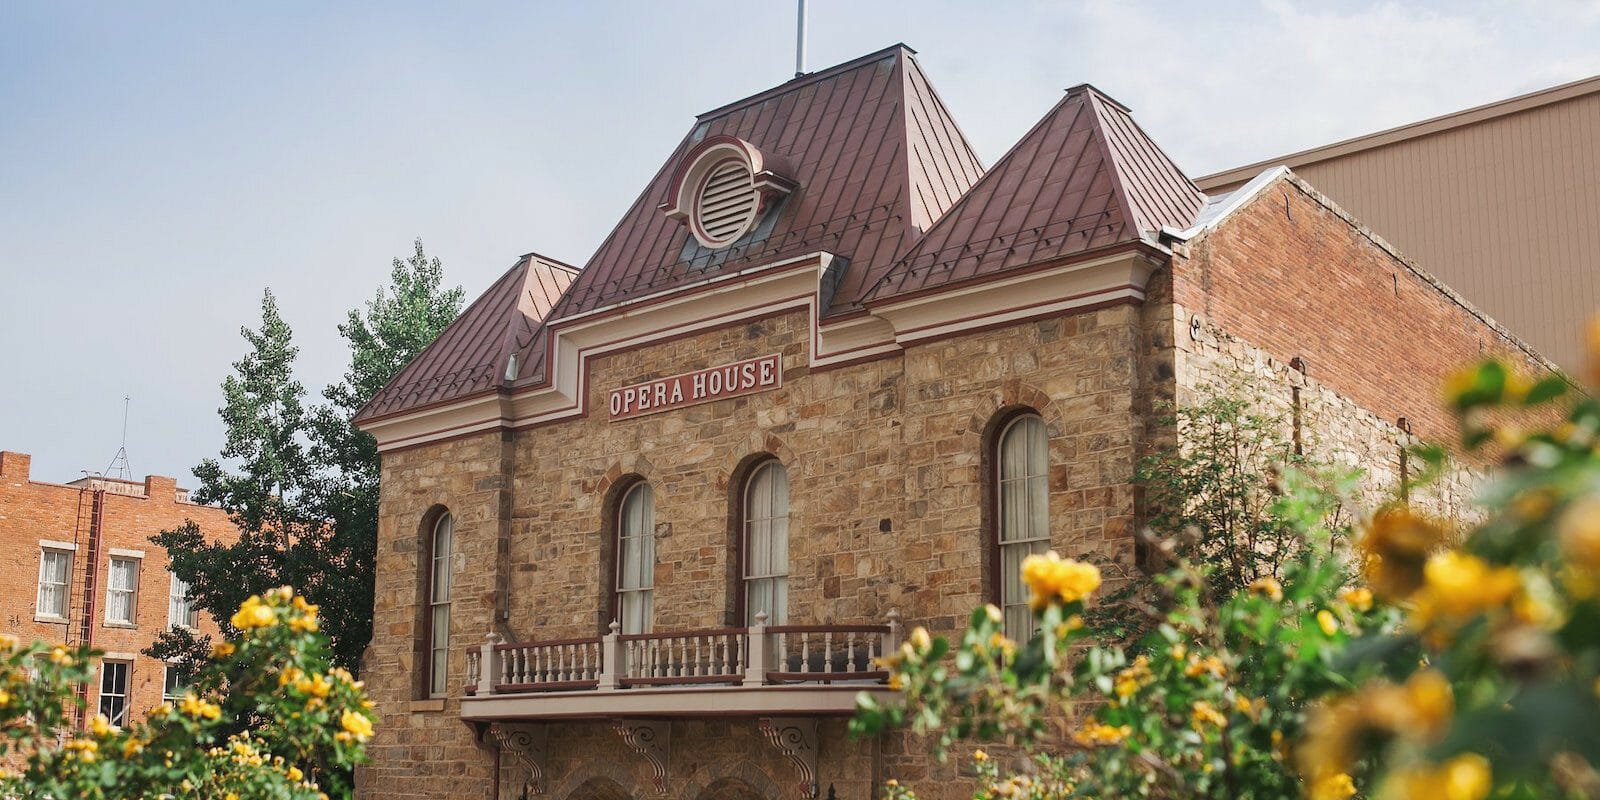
(759, 671)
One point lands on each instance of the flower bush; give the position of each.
(1206, 704)
(1506, 616)
(1451, 665)
(266, 717)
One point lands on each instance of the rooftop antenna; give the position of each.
(800, 42)
(119, 463)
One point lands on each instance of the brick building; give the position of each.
(644, 524)
(79, 568)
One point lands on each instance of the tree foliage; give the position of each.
(310, 720)
(302, 484)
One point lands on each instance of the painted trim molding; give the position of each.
(1045, 289)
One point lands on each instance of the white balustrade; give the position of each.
(750, 656)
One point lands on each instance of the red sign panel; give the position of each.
(717, 383)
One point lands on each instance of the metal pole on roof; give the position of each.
(800, 43)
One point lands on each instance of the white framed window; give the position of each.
(1023, 515)
(114, 691)
(181, 612)
(636, 559)
(440, 545)
(172, 684)
(122, 589)
(55, 574)
(766, 544)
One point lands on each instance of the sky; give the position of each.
(161, 164)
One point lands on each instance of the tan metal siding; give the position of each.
(1504, 210)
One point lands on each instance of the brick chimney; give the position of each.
(14, 467)
(161, 487)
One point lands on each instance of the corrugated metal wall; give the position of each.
(1505, 211)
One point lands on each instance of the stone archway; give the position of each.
(599, 788)
(730, 789)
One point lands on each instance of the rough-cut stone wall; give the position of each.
(421, 748)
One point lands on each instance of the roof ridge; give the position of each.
(801, 81)
(1156, 191)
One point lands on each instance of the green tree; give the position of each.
(305, 491)
(395, 326)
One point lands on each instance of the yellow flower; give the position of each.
(980, 756)
(100, 726)
(1396, 544)
(920, 640)
(316, 686)
(1269, 587)
(1327, 622)
(1202, 666)
(5, 697)
(1094, 734)
(60, 656)
(1579, 531)
(1465, 777)
(1358, 598)
(356, 725)
(1459, 585)
(1178, 651)
(1203, 713)
(1131, 679)
(1336, 786)
(222, 650)
(195, 707)
(1052, 578)
(253, 613)
(293, 773)
(8, 642)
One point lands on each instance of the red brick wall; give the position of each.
(31, 511)
(1288, 274)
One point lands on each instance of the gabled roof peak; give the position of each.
(1091, 89)
(800, 81)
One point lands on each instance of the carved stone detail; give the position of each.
(529, 745)
(651, 739)
(796, 739)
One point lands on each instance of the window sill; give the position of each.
(49, 619)
(434, 704)
(127, 626)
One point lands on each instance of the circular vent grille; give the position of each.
(727, 203)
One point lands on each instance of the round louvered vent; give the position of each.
(726, 205)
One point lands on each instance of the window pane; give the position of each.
(438, 665)
(172, 684)
(443, 542)
(114, 691)
(766, 528)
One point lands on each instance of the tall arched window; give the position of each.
(440, 545)
(636, 558)
(1022, 520)
(766, 544)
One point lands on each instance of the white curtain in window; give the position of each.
(766, 543)
(120, 589)
(1024, 514)
(53, 568)
(636, 559)
(439, 605)
(181, 612)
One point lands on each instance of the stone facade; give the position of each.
(33, 513)
(889, 479)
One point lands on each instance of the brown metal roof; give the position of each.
(1085, 177)
(470, 356)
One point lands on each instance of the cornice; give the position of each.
(1045, 289)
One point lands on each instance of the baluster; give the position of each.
(655, 659)
(567, 662)
(738, 655)
(850, 654)
(520, 674)
(783, 652)
(727, 656)
(505, 666)
(632, 660)
(805, 652)
(695, 667)
(583, 672)
(827, 651)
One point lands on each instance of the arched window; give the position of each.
(636, 558)
(440, 545)
(1022, 519)
(766, 544)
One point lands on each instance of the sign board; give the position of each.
(691, 388)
